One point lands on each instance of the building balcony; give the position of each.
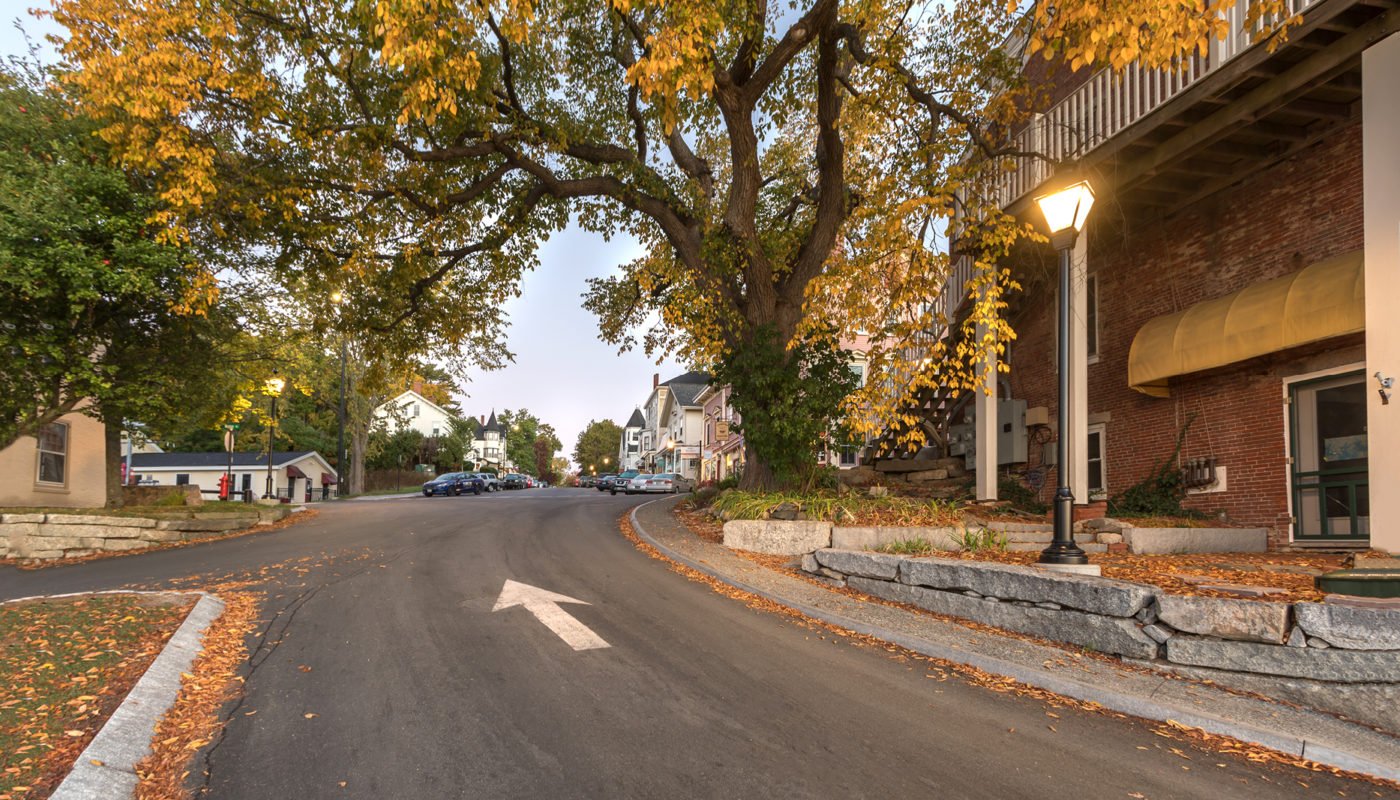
(1156, 141)
(1163, 130)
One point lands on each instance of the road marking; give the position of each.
(545, 606)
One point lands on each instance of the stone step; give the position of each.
(922, 465)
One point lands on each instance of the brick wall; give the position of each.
(1300, 211)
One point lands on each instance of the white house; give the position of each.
(629, 447)
(489, 445)
(654, 442)
(298, 475)
(684, 430)
(411, 410)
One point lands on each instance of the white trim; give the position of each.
(1093, 356)
(1102, 430)
(1288, 425)
(326, 465)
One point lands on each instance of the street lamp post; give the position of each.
(338, 298)
(1065, 212)
(273, 387)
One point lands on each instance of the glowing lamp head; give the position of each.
(1067, 209)
(274, 386)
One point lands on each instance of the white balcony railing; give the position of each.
(1109, 102)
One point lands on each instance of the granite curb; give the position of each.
(1374, 754)
(106, 769)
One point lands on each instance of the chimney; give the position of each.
(418, 385)
(655, 380)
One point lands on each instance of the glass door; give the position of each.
(1331, 492)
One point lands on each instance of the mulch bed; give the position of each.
(65, 665)
(1291, 572)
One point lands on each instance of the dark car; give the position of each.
(586, 481)
(513, 481)
(619, 482)
(604, 481)
(454, 483)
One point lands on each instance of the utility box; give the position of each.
(1012, 441)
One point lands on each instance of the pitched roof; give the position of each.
(693, 377)
(214, 460)
(412, 395)
(492, 424)
(638, 420)
(685, 393)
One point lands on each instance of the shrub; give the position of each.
(1019, 496)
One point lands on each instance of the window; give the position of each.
(859, 371)
(1091, 306)
(415, 409)
(1098, 476)
(182, 479)
(53, 453)
(435, 430)
(848, 455)
(247, 481)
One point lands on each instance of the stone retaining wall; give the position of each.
(1339, 650)
(796, 537)
(53, 536)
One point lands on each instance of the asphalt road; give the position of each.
(420, 690)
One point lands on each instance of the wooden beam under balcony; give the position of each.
(1253, 106)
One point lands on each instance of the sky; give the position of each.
(562, 372)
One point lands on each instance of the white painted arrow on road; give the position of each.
(545, 606)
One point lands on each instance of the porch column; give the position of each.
(1079, 371)
(1380, 114)
(985, 428)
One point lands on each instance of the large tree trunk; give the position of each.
(757, 475)
(112, 436)
(354, 482)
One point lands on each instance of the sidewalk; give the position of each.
(1307, 734)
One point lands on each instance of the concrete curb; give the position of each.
(1133, 705)
(126, 737)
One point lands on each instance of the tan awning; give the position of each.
(1318, 302)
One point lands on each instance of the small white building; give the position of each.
(300, 476)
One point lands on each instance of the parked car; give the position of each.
(604, 481)
(619, 482)
(490, 481)
(667, 483)
(530, 482)
(637, 483)
(513, 481)
(587, 481)
(453, 483)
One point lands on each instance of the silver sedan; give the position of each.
(665, 483)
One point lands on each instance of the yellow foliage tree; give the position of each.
(790, 168)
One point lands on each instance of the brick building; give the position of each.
(1231, 282)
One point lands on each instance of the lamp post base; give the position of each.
(1063, 549)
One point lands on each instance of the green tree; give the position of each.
(519, 430)
(597, 442)
(98, 315)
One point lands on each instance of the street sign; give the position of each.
(228, 440)
(230, 426)
(545, 606)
